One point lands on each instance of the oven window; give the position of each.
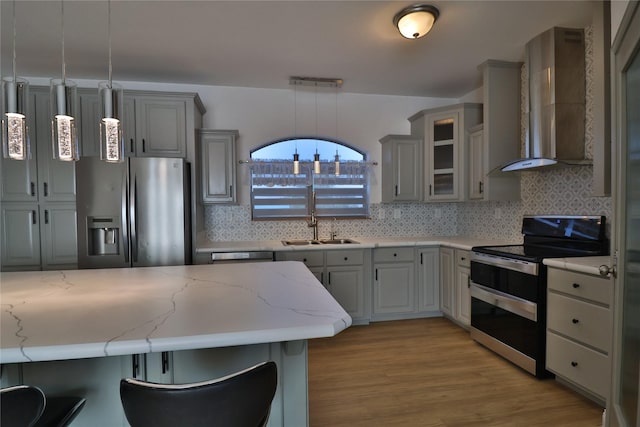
(514, 283)
(509, 328)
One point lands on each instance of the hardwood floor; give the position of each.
(428, 372)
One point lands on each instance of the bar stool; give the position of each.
(27, 406)
(242, 399)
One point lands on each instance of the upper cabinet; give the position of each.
(156, 124)
(218, 165)
(446, 143)
(401, 168)
(499, 140)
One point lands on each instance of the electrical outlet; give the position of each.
(497, 213)
(396, 213)
(437, 213)
(382, 214)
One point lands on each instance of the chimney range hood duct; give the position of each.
(555, 134)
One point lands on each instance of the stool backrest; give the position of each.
(242, 399)
(21, 406)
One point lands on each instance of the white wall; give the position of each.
(263, 115)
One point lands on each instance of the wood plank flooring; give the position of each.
(428, 372)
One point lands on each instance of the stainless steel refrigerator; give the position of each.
(133, 214)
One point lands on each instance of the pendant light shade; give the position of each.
(15, 93)
(111, 110)
(337, 163)
(64, 101)
(15, 138)
(316, 163)
(111, 106)
(296, 163)
(416, 21)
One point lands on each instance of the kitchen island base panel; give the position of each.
(98, 379)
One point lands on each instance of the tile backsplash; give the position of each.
(552, 192)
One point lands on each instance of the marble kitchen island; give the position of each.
(80, 331)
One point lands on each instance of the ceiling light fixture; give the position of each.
(416, 21)
(111, 109)
(15, 93)
(64, 102)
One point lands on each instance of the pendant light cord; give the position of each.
(109, 37)
(64, 68)
(14, 40)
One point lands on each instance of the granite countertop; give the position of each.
(204, 245)
(72, 314)
(588, 265)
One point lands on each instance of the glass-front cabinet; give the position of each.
(446, 143)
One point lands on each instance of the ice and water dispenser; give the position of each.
(103, 235)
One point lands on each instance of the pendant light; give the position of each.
(296, 163)
(316, 162)
(337, 163)
(15, 93)
(64, 101)
(111, 109)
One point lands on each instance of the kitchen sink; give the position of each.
(303, 242)
(337, 241)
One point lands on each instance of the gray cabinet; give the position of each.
(155, 124)
(218, 165)
(343, 272)
(579, 325)
(393, 282)
(462, 296)
(401, 168)
(446, 142)
(428, 274)
(447, 265)
(38, 201)
(476, 163)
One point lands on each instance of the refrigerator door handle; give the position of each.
(133, 202)
(123, 217)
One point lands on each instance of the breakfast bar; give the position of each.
(80, 331)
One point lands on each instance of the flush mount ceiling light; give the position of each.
(416, 21)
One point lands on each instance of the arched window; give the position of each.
(339, 189)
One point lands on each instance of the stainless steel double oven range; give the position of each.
(509, 285)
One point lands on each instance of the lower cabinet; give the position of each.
(343, 272)
(38, 236)
(455, 299)
(447, 263)
(579, 325)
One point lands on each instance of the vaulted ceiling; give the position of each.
(263, 43)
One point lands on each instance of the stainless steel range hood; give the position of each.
(555, 134)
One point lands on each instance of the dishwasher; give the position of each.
(235, 257)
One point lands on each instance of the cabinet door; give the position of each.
(393, 290)
(406, 171)
(129, 128)
(161, 127)
(58, 230)
(463, 296)
(217, 152)
(346, 285)
(89, 125)
(20, 236)
(20, 177)
(442, 157)
(446, 280)
(428, 274)
(476, 165)
(56, 178)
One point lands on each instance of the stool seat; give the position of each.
(242, 399)
(27, 406)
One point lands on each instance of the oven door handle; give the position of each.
(519, 306)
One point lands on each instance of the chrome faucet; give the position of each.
(313, 220)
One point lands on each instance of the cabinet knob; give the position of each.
(462, 259)
(304, 260)
(575, 321)
(346, 258)
(576, 285)
(574, 364)
(395, 254)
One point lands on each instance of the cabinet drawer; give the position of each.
(462, 258)
(393, 254)
(580, 320)
(584, 366)
(345, 257)
(586, 286)
(309, 258)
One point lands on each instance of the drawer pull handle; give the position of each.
(462, 259)
(574, 364)
(575, 321)
(576, 285)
